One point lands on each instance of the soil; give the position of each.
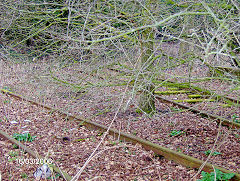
(97, 97)
(68, 145)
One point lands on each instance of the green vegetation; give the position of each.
(176, 133)
(179, 150)
(220, 176)
(214, 153)
(226, 105)
(6, 101)
(24, 137)
(12, 156)
(24, 175)
(80, 139)
(138, 111)
(171, 92)
(194, 96)
(195, 100)
(176, 109)
(100, 134)
(57, 175)
(173, 88)
(235, 118)
(134, 132)
(15, 146)
(148, 40)
(7, 88)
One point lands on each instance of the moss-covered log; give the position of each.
(195, 100)
(230, 70)
(171, 92)
(193, 96)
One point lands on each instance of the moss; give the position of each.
(194, 96)
(226, 105)
(173, 89)
(138, 110)
(171, 92)
(195, 100)
(170, 2)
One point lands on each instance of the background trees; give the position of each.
(100, 56)
(130, 34)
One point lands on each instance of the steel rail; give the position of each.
(218, 119)
(169, 154)
(196, 89)
(192, 88)
(33, 154)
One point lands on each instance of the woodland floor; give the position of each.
(99, 103)
(116, 160)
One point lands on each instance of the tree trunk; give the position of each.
(184, 46)
(146, 101)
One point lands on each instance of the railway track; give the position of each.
(189, 89)
(165, 152)
(213, 117)
(197, 90)
(33, 154)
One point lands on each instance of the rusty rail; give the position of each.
(218, 119)
(169, 154)
(33, 154)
